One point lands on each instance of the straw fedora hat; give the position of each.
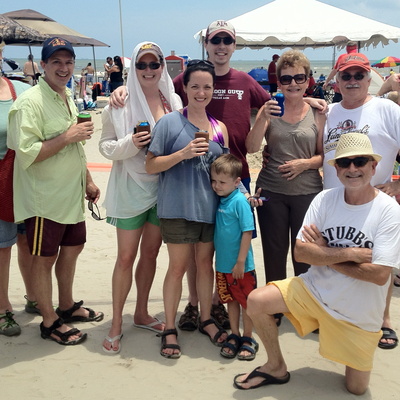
(354, 144)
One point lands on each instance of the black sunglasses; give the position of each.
(97, 216)
(287, 79)
(358, 76)
(358, 162)
(152, 65)
(226, 39)
(191, 63)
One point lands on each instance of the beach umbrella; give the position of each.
(387, 62)
(48, 26)
(14, 33)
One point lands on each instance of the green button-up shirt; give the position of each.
(53, 188)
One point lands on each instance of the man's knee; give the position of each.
(357, 381)
(257, 301)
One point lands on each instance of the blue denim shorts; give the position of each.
(8, 234)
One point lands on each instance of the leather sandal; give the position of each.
(165, 346)
(189, 320)
(46, 333)
(67, 316)
(214, 340)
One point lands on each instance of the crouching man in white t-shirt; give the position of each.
(351, 237)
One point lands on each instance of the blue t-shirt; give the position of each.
(184, 190)
(233, 217)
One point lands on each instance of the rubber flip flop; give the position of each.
(151, 326)
(268, 379)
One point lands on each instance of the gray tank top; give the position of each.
(289, 142)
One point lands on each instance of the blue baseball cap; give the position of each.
(51, 45)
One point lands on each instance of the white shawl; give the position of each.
(136, 109)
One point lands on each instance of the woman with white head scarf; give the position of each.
(132, 193)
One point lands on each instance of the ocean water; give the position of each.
(318, 66)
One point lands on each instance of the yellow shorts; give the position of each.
(339, 341)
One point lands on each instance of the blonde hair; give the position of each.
(2, 45)
(227, 164)
(293, 58)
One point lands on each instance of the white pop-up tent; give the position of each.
(306, 23)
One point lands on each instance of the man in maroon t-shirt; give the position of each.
(272, 77)
(235, 92)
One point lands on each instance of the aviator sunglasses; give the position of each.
(358, 76)
(226, 39)
(95, 214)
(287, 79)
(152, 65)
(191, 63)
(357, 162)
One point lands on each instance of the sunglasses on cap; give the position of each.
(357, 162)
(191, 63)
(152, 65)
(287, 79)
(95, 214)
(358, 76)
(226, 39)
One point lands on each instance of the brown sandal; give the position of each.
(189, 320)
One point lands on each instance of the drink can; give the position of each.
(202, 134)
(142, 126)
(280, 98)
(84, 117)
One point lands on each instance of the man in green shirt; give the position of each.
(50, 182)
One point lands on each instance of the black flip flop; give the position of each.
(388, 334)
(268, 379)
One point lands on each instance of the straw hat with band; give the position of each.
(352, 145)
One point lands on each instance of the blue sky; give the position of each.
(172, 24)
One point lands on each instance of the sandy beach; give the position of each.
(31, 368)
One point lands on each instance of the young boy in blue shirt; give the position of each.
(235, 275)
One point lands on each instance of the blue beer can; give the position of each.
(280, 98)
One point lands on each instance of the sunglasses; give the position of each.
(287, 79)
(358, 76)
(191, 63)
(226, 39)
(357, 162)
(95, 214)
(152, 65)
